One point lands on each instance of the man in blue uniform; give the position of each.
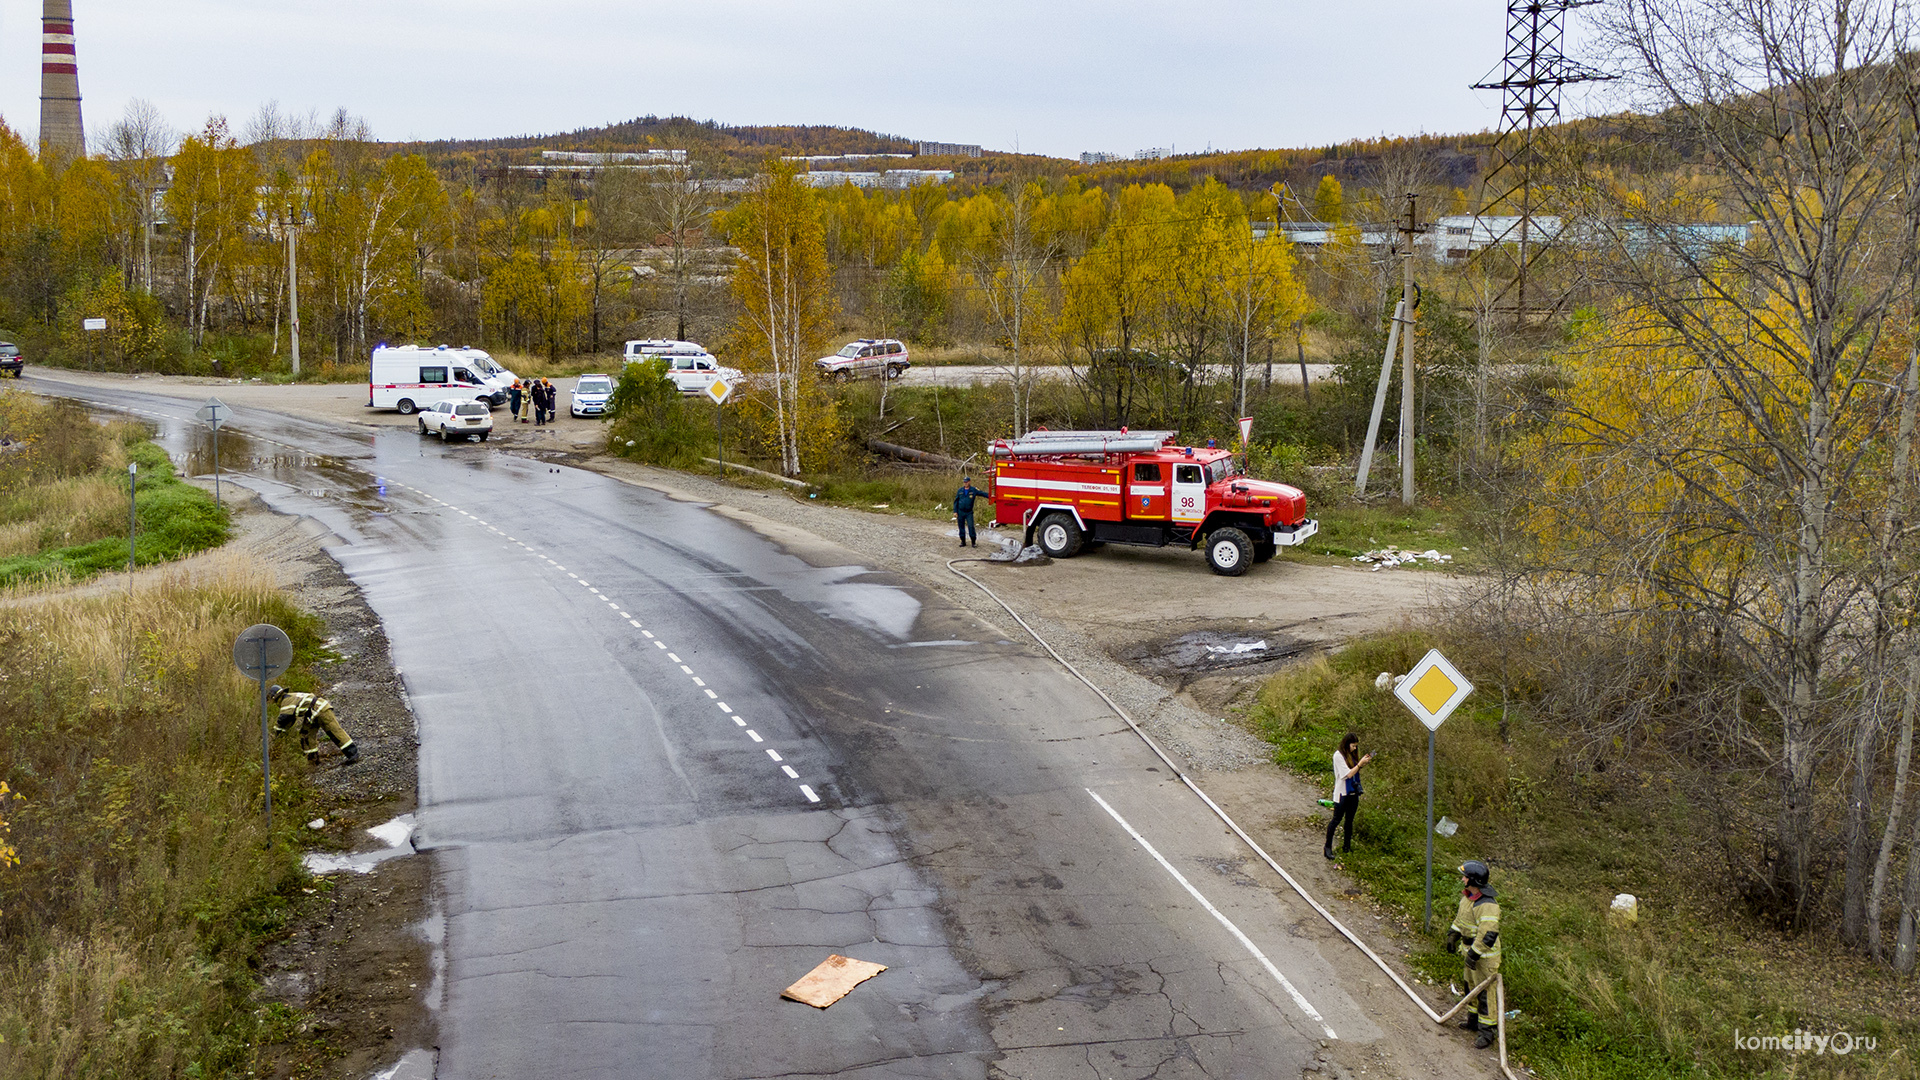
(963, 509)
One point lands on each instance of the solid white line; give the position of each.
(808, 792)
(788, 769)
(1298, 998)
(772, 753)
(754, 735)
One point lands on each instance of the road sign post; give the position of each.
(1431, 691)
(214, 412)
(262, 652)
(719, 390)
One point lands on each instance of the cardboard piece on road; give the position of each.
(831, 981)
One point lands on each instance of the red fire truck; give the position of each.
(1078, 489)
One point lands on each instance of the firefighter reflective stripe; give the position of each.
(1062, 486)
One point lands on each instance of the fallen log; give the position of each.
(908, 453)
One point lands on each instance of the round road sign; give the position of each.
(262, 651)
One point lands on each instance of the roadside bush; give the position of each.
(652, 422)
(68, 521)
(145, 883)
(1659, 998)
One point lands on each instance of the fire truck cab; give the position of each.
(1073, 490)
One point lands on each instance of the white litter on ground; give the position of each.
(395, 834)
(1383, 558)
(1238, 648)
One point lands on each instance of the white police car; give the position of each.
(590, 395)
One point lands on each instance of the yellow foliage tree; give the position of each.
(786, 312)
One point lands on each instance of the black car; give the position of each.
(10, 359)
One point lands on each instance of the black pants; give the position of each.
(1344, 809)
(966, 526)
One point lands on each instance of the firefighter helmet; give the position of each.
(1475, 872)
(276, 693)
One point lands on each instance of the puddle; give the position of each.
(1201, 651)
(394, 834)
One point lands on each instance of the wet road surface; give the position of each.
(668, 766)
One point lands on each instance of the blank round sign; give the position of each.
(257, 663)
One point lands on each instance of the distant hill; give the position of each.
(1439, 161)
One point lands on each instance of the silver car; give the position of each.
(457, 418)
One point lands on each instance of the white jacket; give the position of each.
(1341, 770)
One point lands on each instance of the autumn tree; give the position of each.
(1729, 481)
(138, 145)
(211, 204)
(786, 308)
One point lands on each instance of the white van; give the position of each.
(412, 377)
(640, 350)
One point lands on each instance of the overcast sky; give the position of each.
(1043, 76)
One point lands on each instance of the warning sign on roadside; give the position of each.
(1432, 690)
(718, 390)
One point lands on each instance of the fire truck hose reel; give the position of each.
(1224, 817)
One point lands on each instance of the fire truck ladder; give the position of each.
(1041, 443)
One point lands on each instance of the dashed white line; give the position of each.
(754, 735)
(1245, 941)
(697, 680)
(635, 622)
(723, 706)
(788, 769)
(646, 633)
(739, 721)
(675, 657)
(808, 792)
(711, 694)
(660, 644)
(772, 753)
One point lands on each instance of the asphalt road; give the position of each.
(668, 766)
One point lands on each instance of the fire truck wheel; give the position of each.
(1229, 552)
(1263, 552)
(1059, 536)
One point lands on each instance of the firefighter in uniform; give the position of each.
(1475, 937)
(963, 509)
(313, 714)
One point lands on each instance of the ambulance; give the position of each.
(412, 377)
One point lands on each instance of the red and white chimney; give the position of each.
(61, 133)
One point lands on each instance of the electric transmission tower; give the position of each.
(1535, 69)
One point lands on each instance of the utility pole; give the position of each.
(1408, 231)
(293, 294)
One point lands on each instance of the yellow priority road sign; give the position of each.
(718, 390)
(1432, 690)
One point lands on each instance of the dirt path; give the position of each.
(1135, 621)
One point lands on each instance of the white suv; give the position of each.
(590, 395)
(875, 357)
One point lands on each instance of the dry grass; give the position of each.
(64, 513)
(145, 877)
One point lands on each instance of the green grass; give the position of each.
(1656, 999)
(147, 884)
(1348, 529)
(174, 519)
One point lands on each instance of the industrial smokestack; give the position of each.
(60, 132)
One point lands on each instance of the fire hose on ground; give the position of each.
(1498, 984)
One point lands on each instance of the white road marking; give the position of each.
(697, 680)
(724, 708)
(1245, 941)
(626, 616)
(635, 622)
(576, 577)
(754, 735)
(772, 753)
(646, 633)
(711, 694)
(788, 769)
(739, 721)
(613, 605)
(675, 657)
(657, 644)
(808, 792)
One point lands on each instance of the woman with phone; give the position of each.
(1346, 789)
